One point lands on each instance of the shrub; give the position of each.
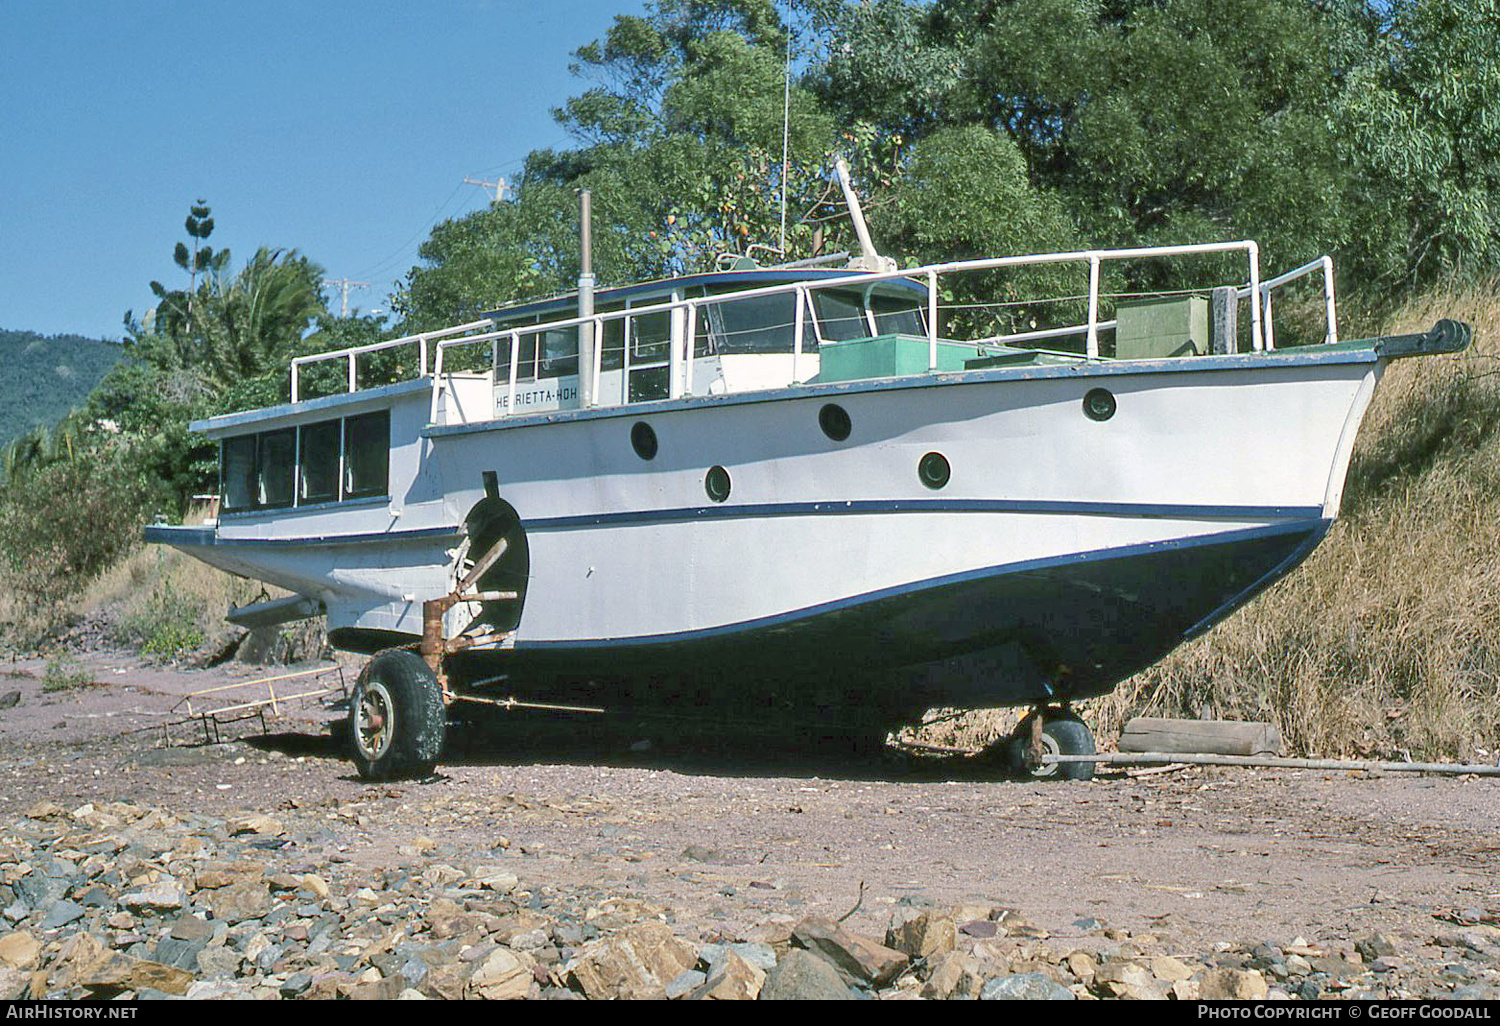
(64, 673)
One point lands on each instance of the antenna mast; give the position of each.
(786, 132)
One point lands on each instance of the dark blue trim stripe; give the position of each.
(206, 537)
(1317, 528)
(1149, 510)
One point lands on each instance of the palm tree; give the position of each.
(254, 322)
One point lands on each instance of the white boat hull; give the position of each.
(1062, 554)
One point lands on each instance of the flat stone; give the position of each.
(120, 973)
(1025, 987)
(448, 982)
(803, 976)
(248, 899)
(504, 975)
(861, 958)
(733, 979)
(763, 956)
(19, 950)
(1375, 945)
(61, 914)
(1168, 969)
(263, 825)
(218, 961)
(922, 933)
(953, 976)
(162, 896)
(1232, 985)
(686, 982)
(636, 962)
(180, 953)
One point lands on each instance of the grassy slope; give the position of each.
(45, 377)
(1387, 640)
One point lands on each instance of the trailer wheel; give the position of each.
(1062, 734)
(396, 718)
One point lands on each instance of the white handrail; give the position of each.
(681, 377)
(352, 352)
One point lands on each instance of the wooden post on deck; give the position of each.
(1226, 317)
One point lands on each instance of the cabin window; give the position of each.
(271, 469)
(559, 353)
(650, 338)
(841, 316)
(897, 316)
(318, 463)
(275, 464)
(764, 324)
(367, 449)
(237, 473)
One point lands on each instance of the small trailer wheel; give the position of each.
(1062, 734)
(396, 718)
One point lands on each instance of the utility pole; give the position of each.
(344, 285)
(498, 186)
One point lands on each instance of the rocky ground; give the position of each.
(579, 861)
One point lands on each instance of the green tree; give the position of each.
(1420, 118)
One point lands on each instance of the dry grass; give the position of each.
(1384, 642)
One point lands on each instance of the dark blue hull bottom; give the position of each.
(1053, 630)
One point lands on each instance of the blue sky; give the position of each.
(344, 129)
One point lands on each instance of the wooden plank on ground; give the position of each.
(1204, 737)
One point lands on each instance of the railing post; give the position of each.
(295, 366)
(597, 369)
(1092, 344)
(932, 321)
(1268, 319)
(690, 343)
(1332, 336)
(798, 326)
(353, 381)
(1257, 339)
(675, 335)
(422, 354)
(627, 337)
(515, 360)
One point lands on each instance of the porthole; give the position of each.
(834, 420)
(643, 440)
(934, 471)
(1099, 404)
(716, 484)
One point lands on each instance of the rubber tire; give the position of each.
(401, 682)
(1061, 735)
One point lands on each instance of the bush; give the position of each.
(167, 626)
(64, 673)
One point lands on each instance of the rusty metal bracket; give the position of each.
(435, 646)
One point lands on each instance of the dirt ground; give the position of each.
(727, 833)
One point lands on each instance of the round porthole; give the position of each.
(933, 469)
(716, 484)
(834, 420)
(643, 440)
(1099, 404)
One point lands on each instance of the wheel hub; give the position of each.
(373, 721)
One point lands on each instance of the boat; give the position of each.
(795, 491)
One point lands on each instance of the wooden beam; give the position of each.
(1204, 737)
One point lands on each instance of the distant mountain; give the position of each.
(45, 376)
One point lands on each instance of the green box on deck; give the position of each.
(1147, 329)
(886, 356)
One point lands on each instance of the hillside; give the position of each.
(1383, 642)
(46, 376)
